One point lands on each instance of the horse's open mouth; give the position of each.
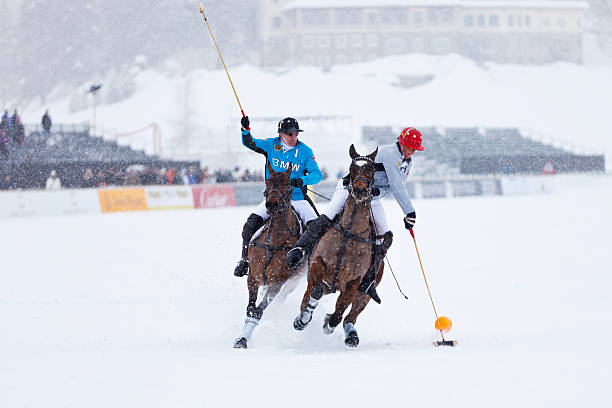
(360, 183)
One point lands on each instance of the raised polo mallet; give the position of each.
(220, 56)
(443, 323)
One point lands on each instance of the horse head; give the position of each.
(361, 175)
(278, 191)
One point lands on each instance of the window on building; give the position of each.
(481, 20)
(290, 18)
(441, 44)
(468, 20)
(324, 61)
(441, 15)
(387, 16)
(401, 16)
(418, 17)
(356, 58)
(276, 22)
(372, 18)
(527, 21)
(394, 44)
(315, 17)
(546, 21)
(308, 41)
(341, 59)
(371, 41)
(340, 16)
(323, 41)
(432, 16)
(356, 41)
(341, 41)
(494, 20)
(355, 16)
(511, 20)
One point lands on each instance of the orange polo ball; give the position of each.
(444, 323)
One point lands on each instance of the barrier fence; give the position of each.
(20, 203)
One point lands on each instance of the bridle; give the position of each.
(368, 196)
(285, 199)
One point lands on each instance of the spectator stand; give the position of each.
(453, 151)
(71, 150)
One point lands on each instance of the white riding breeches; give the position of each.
(302, 208)
(340, 196)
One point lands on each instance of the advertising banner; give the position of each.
(169, 197)
(117, 200)
(213, 195)
(48, 203)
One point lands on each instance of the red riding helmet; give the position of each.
(411, 138)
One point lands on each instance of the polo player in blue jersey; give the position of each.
(281, 153)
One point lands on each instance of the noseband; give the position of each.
(285, 199)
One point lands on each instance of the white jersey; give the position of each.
(393, 178)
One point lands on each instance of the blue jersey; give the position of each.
(300, 158)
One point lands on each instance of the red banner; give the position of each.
(213, 195)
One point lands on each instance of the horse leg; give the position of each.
(313, 294)
(360, 301)
(344, 300)
(270, 294)
(252, 314)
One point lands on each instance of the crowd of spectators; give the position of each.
(12, 136)
(140, 175)
(12, 132)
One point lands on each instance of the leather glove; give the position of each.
(410, 220)
(375, 191)
(297, 182)
(245, 123)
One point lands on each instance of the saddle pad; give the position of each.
(267, 223)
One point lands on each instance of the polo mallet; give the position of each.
(443, 323)
(220, 56)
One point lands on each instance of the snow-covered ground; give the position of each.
(141, 310)
(198, 114)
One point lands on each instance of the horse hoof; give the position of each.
(241, 343)
(327, 329)
(352, 340)
(298, 324)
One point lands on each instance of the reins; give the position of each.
(271, 249)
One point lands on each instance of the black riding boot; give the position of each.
(252, 224)
(314, 231)
(368, 283)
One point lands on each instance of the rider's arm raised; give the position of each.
(257, 145)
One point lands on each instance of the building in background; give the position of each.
(330, 32)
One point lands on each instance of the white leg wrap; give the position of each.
(310, 307)
(348, 328)
(249, 325)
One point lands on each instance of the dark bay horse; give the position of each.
(343, 255)
(267, 252)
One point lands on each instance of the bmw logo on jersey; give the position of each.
(284, 165)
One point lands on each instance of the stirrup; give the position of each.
(295, 257)
(242, 268)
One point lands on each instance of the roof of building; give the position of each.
(545, 4)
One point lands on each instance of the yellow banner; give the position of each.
(116, 200)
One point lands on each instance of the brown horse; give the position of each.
(343, 255)
(267, 252)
